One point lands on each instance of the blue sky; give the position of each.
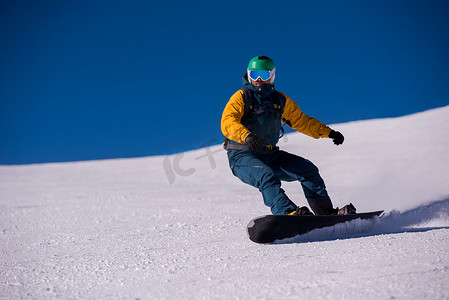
(85, 80)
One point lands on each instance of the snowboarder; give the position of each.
(252, 121)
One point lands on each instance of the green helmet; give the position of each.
(262, 63)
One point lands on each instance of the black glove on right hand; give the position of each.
(254, 142)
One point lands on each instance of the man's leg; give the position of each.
(255, 172)
(290, 167)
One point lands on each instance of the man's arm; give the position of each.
(302, 122)
(231, 125)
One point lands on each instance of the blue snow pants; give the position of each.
(266, 170)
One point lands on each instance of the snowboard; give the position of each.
(267, 229)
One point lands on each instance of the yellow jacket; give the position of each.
(233, 129)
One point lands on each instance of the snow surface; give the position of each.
(174, 227)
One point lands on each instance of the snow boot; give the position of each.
(300, 211)
(321, 206)
(347, 210)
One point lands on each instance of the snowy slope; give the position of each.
(174, 227)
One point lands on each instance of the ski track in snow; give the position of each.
(427, 217)
(174, 227)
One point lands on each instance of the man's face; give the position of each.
(259, 82)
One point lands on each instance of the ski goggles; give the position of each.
(262, 74)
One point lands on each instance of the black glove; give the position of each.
(254, 142)
(337, 137)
